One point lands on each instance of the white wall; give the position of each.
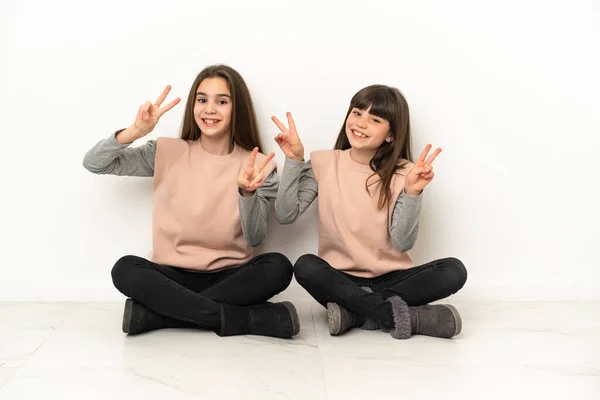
(509, 90)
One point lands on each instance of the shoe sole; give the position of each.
(294, 314)
(127, 315)
(457, 318)
(334, 318)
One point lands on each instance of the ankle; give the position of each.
(401, 327)
(414, 319)
(359, 320)
(269, 319)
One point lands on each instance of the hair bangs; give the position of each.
(378, 100)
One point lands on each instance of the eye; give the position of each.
(357, 113)
(202, 101)
(376, 120)
(222, 102)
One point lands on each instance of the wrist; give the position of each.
(137, 132)
(123, 138)
(412, 192)
(129, 135)
(246, 193)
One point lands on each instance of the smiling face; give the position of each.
(213, 108)
(366, 131)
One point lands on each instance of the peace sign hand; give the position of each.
(149, 114)
(252, 176)
(288, 139)
(421, 173)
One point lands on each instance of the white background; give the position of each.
(508, 89)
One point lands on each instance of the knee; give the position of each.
(458, 271)
(306, 267)
(280, 267)
(123, 271)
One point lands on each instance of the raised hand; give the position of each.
(288, 139)
(421, 173)
(147, 118)
(252, 176)
(149, 114)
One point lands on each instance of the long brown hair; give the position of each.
(388, 103)
(244, 127)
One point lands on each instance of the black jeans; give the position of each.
(416, 286)
(191, 299)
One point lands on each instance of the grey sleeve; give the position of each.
(254, 210)
(297, 190)
(109, 156)
(405, 221)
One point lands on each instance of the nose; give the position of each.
(362, 121)
(210, 108)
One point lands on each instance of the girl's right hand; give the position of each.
(288, 139)
(147, 118)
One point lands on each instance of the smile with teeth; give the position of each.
(210, 121)
(358, 134)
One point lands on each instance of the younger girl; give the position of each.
(202, 274)
(369, 205)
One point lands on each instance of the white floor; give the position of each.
(506, 351)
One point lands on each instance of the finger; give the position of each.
(424, 153)
(247, 173)
(264, 163)
(144, 114)
(291, 121)
(255, 185)
(429, 176)
(162, 96)
(422, 170)
(169, 106)
(281, 138)
(252, 158)
(250, 173)
(242, 181)
(279, 124)
(257, 180)
(433, 156)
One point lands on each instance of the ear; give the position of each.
(389, 139)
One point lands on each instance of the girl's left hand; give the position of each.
(252, 177)
(288, 139)
(421, 173)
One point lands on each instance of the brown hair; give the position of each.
(244, 127)
(387, 103)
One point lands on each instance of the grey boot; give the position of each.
(401, 317)
(438, 320)
(341, 320)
